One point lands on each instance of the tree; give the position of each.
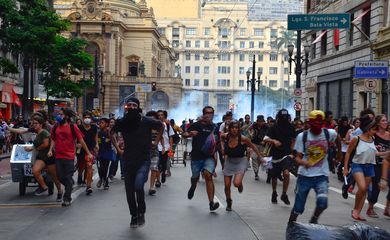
(287, 38)
(66, 58)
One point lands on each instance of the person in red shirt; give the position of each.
(63, 136)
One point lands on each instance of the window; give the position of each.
(188, 56)
(196, 82)
(242, 70)
(205, 82)
(241, 83)
(274, 33)
(223, 83)
(206, 70)
(242, 57)
(197, 44)
(224, 57)
(286, 85)
(324, 44)
(273, 57)
(273, 83)
(366, 24)
(350, 32)
(161, 31)
(190, 31)
(197, 69)
(251, 44)
(223, 44)
(187, 82)
(177, 56)
(260, 70)
(242, 31)
(205, 99)
(207, 31)
(223, 70)
(175, 32)
(250, 57)
(224, 32)
(273, 45)
(242, 44)
(258, 31)
(197, 56)
(273, 70)
(313, 45)
(286, 70)
(286, 57)
(261, 44)
(223, 102)
(175, 43)
(260, 57)
(206, 44)
(188, 43)
(206, 56)
(188, 69)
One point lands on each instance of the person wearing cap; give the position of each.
(281, 137)
(311, 148)
(257, 132)
(136, 131)
(363, 152)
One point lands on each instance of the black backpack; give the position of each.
(175, 137)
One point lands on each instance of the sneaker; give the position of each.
(89, 191)
(134, 222)
(59, 197)
(66, 203)
(274, 198)
(371, 213)
(240, 188)
(214, 206)
(191, 192)
(111, 177)
(39, 191)
(141, 220)
(229, 205)
(152, 191)
(344, 192)
(99, 183)
(284, 198)
(387, 212)
(158, 184)
(163, 177)
(257, 177)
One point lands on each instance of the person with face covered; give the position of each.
(137, 135)
(312, 157)
(203, 161)
(63, 148)
(281, 136)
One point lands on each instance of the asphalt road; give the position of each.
(170, 215)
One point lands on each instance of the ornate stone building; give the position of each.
(129, 54)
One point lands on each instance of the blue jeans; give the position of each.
(304, 184)
(199, 166)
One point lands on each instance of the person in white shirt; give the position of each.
(164, 149)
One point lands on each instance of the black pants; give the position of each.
(103, 166)
(373, 190)
(65, 170)
(162, 163)
(114, 166)
(135, 179)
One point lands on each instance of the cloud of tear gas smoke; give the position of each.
(190, 107)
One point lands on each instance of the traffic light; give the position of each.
(154, 86)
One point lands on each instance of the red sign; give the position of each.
(298, 106)
(297, 92)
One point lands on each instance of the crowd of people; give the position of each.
(140, 147)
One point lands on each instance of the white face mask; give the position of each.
(87, 121)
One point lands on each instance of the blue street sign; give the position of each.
(318, 21)
(371, 69)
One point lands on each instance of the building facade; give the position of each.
(129, 54)
(215, 44)
(330, 83)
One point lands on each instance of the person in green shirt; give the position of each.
(41, 144)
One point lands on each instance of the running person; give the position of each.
(203, 161)
(105, 152)
(234, 148)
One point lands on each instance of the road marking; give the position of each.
(378, 205)
(79, 191)
(30, 205)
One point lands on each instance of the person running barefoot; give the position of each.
(363, 162)
(236, 164)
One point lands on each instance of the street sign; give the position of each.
(298, 92)
(370, 84)
(96, 103)
(143, 88)
(371, 69)
(298, 106)
(318, 21)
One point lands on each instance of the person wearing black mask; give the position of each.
(281, 136)
(137, 134)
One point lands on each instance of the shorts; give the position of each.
(47, 160)
(279, 167)
(198, 166)
(367, 169)
(154, 163)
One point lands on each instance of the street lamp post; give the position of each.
(253, 82)
(298, 60)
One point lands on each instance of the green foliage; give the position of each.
(6, 66)
(287, 38)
